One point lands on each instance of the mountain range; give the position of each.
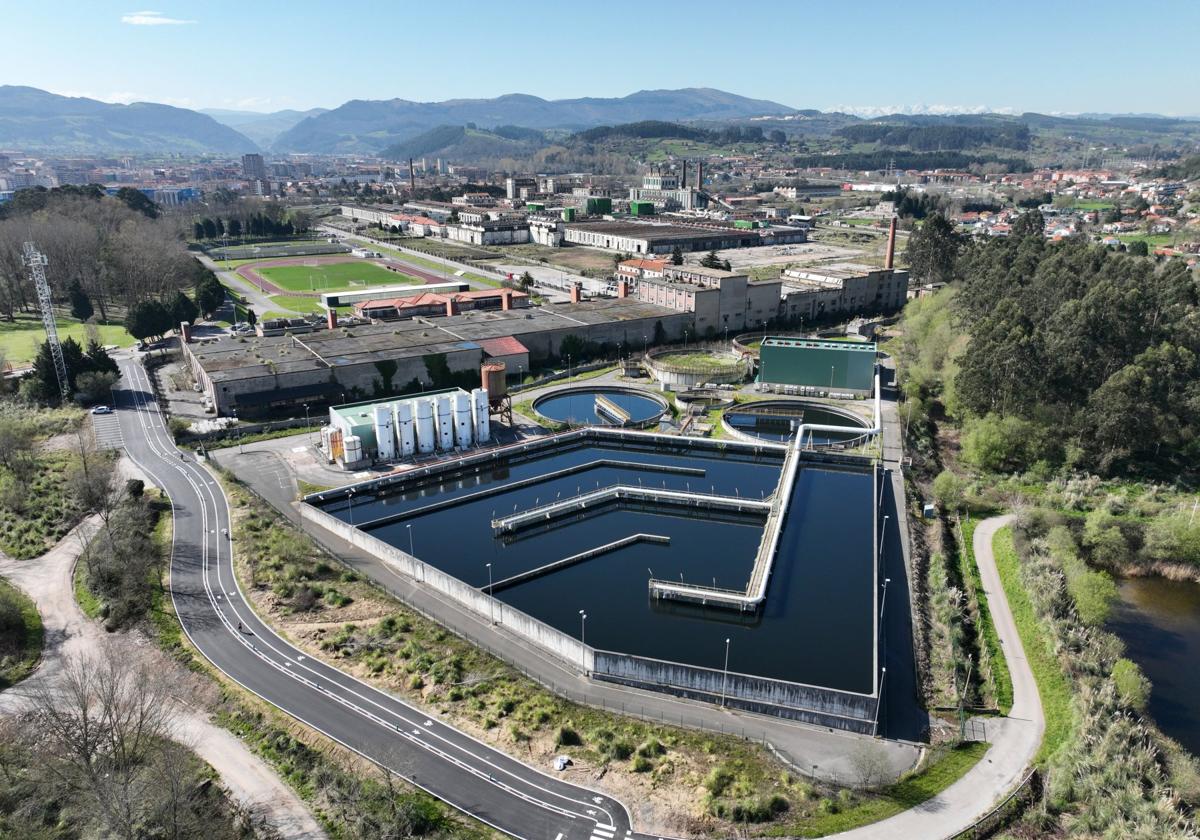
(261, 127)
(35, 120)
(372, 125)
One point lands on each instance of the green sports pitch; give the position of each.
(333, 277)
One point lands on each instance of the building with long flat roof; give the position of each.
(663, 237)
(262, 375)
(847, 289)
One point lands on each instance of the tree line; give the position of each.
(100, 248)
(887, 159)
(936, 138)
(1060, 355)
(254, 224)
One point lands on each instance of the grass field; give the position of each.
(1052, 683)
(19, 339)
(440, 268)
(1156, 240)
(306, 305)
(334, 277)
(1093, 205)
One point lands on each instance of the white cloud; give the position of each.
(152, 19)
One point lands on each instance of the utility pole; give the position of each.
(37, 262)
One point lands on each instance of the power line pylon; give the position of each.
(37, 262)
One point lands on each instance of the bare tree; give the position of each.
(102, 720)
(870, 764)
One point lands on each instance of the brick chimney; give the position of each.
(699, 175)
(890, 257)
(622, 288)
(185, 332)
(331, 318)
(576, 293)
(451, 306)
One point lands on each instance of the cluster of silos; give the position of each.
(437, 423)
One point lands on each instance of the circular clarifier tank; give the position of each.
(778, 420)
(602, 406)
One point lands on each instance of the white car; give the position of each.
(102, 409)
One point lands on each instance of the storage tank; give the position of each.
(385, 436)
(406, 430)
(479, 408)
(493, 379)
(352, 449)
(327, 441)
(444, 420)
(426, 438)
(464, 424)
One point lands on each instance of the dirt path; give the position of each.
(48, 580)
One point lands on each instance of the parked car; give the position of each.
(102, 409)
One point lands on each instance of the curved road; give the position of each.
(469, 775)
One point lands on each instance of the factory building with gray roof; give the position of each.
(263, 375)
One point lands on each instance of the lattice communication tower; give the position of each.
(37, 262)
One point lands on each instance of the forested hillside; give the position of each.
(1062, 355)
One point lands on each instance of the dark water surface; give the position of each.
(817, 626)
(1159, 621)
(579, 407)
(780, 427)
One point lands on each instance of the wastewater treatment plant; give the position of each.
(746, 573)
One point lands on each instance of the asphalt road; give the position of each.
(469, 775)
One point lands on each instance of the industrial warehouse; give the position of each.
(260, 375)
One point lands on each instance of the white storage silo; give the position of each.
(385, 436)
(479, 406)
(464, 425)
(352, 449)
(406, 430)
(444, 419)
(426, 438)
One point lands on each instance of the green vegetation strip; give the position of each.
(987, 629)
(20, 635)
(1052, 684)
(942, 771)
(87, 602)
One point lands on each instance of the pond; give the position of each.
(1159, 621)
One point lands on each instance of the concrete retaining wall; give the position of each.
(555, 642)
(811, 704)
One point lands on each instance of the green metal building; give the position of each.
(568, 214)
(819, 363)
(597, 206)
(641, 208)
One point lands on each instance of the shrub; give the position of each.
(651, 748)
(1133, 688)
(641, 764)
(950, 490)
(568, 737)
(718, 780)
(621, 750)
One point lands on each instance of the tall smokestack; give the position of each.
(412, 176)
(331, 318)
(699, 176)
(891, 246)
(683, 178)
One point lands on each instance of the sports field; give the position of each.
(333, 276)
(19, 339)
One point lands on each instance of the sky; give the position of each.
(867, 57)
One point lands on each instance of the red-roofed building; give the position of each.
(434, 304)
(637, 269)
(509, 350)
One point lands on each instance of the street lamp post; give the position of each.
(583, 640)
(491, 597)
(882, 534)
(306, 422)
(350, 502)
(725, 675)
